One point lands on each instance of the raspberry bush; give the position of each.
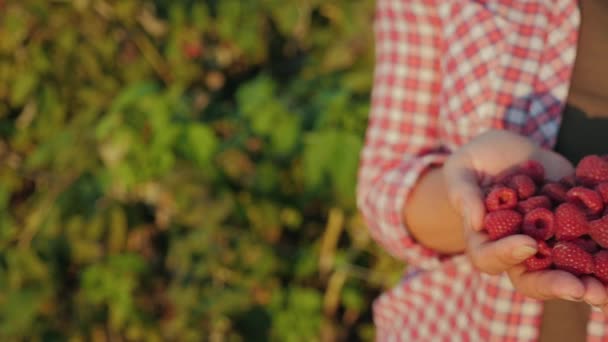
(184, 171)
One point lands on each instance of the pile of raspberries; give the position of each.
(567, 218)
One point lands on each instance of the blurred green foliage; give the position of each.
(185, 171)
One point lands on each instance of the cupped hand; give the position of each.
(483, 159)
(479, 163)
(507, 255)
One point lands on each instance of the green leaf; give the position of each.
(285, 134)
(343, 169)
(19, 310)
(287, 17)
(200, 16)
(266, 177)
(49, 150)
(353, 298)
(306, 263)
(131, 95)
(127, 263)
(318, 155)
(23, 87)
(199, 143)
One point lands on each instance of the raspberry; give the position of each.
(570, 222)
(601, 266)
(534, 170)
(568, 181)
(602, 189)
(524, 186)
(502, 223)
(501, 198)
(586, 199)
(555, 191)
(592, 170)
(488, 189)
(539, 224)
(538, 262)
(532, 203)
(541, 260)
(598, 230)
(505, 177)
(545, 247)
(569, 257)
(587, 244)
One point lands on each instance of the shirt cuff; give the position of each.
(387, 224)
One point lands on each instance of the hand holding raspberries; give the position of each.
(483, 164)
(568, 219)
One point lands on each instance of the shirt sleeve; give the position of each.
(402, 138)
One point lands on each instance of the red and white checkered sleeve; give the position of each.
(402, 138)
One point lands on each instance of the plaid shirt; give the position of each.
(447, 70)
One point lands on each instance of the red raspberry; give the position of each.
(598, 230)
(501, 198)
(532, 203)
(488, 189)
(601, 266)
(569, 257)
(504, 177)
(587, 199)
(570, 222)
(602, 189)
(538, 262)
(568, 181)
(545, 247)
(192, 50)
(555, 191)
(524, 186)
(534, 170)
(592, 170)
(541, 260)
(539, 224)
(587, 244)
(502, 223)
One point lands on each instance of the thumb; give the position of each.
(465, 194)
(497, 256)
(556, 166)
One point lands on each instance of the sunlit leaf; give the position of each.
(198, 143)
(23, 86)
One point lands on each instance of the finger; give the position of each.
(595, 292)
(604, 309)
(545, 285)
(465, 194)
(497, 256)
(556, 165)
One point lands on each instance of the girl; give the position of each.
(465, 88)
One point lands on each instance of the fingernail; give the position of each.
(571, 298)
(524, 252)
